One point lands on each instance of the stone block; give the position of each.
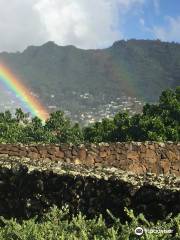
(143, 148)
(118, 150)
(82, 154)
(110, 158)
(119, 157)
(152, 147)
(59, 154)
(150, 153)
(33, 155)
(165, 165)
(38, 148)
(135, 147)
(149, 156)
(133, 155)
(176, 165)
(13, 154)
(22, 153)
(34, 149)
(172, 156)
(136, 168)
(51, 151)
(99, 159)
(163, 155)
(90, 160)
(14, 149)
(103, 154)
(175, 172)
(43, 152)
(124, 163)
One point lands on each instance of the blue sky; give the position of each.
(86, 23)
(153, 19)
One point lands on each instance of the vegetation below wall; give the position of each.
(56, 225)
(87, 204)
(158, 122)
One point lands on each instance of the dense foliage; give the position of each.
(158, 122)
(57, 225)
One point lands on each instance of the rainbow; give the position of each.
(18, 88)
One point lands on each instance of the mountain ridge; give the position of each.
(115, 43)
(135, 68)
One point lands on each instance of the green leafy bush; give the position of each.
(57, 225)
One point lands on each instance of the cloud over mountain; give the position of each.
(86, 24)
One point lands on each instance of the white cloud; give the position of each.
(19, 25)
(168, 32)
(84, 23)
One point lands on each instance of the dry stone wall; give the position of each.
(28, 190)
(137, 157)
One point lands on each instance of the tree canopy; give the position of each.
(157, 122)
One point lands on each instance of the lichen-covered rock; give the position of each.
(30, 187)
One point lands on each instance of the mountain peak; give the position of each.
(50, 44)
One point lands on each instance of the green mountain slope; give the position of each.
(141, 68)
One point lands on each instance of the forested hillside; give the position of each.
(158, 122)
(137, 68)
